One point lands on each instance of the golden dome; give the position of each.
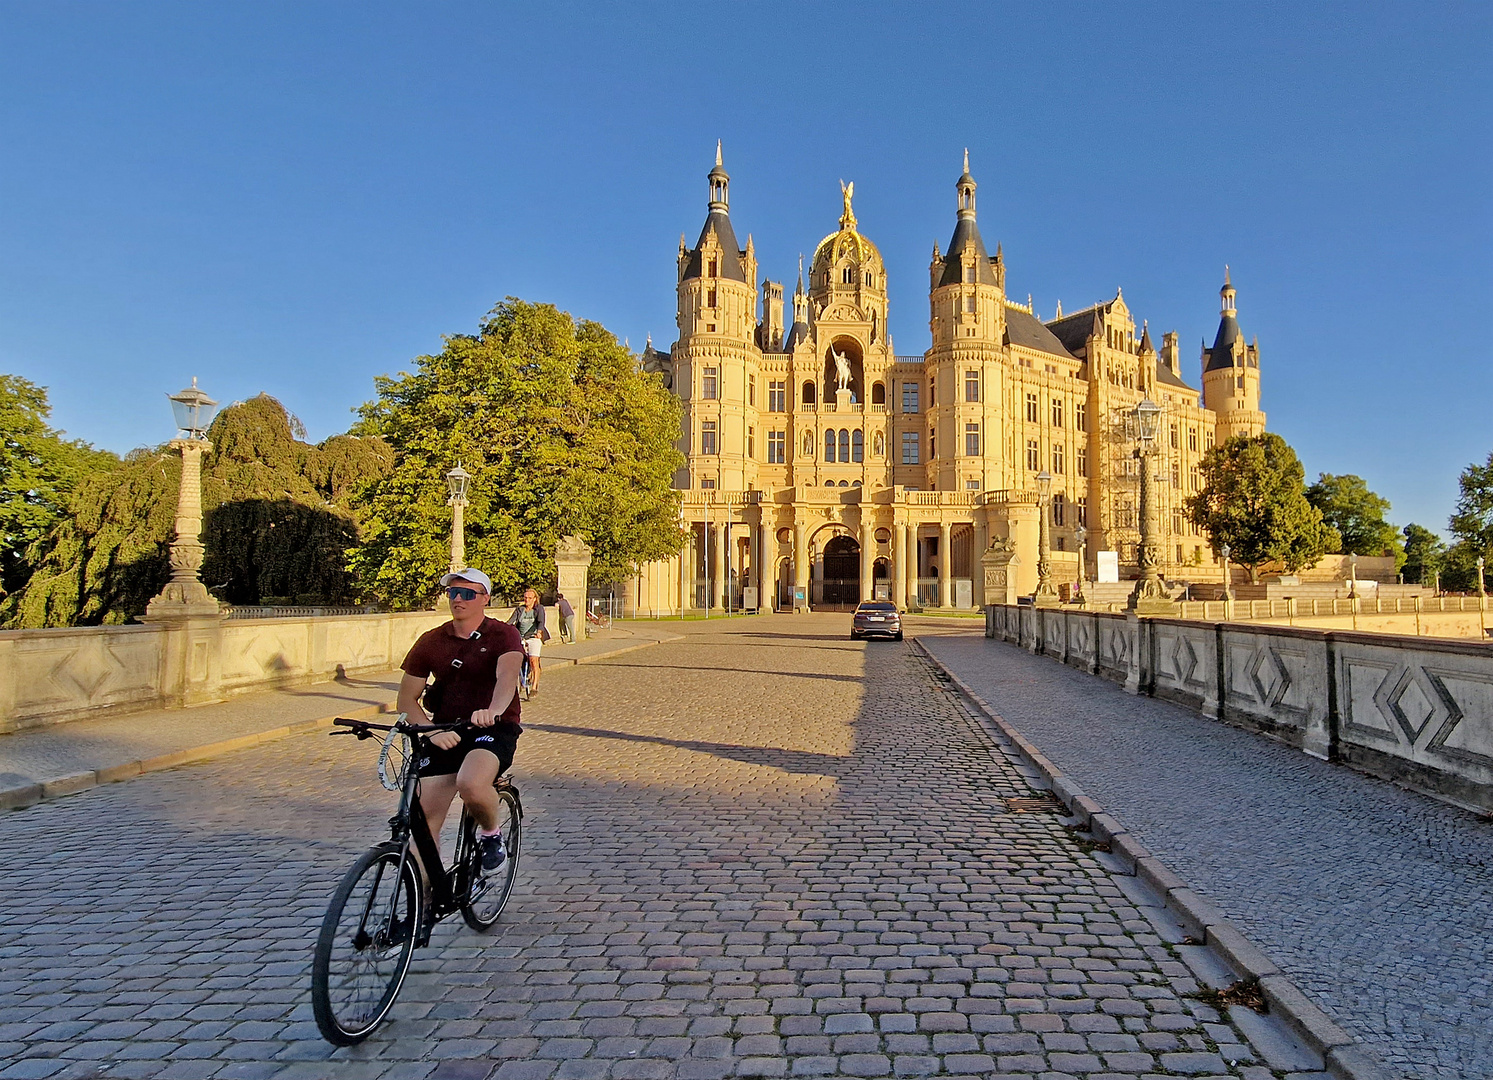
(845, 244)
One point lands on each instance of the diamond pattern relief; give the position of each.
(1184, 659)
(1416, 700)
(87, 669)
(1271, 679)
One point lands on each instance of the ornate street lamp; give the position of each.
(184, 595)
(1046, 595)
(1081, 536)
(1149, 597)
(456, 483)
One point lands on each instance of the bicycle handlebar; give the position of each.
(363, 729)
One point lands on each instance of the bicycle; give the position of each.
(601, 620)
(525, 685)
(384, 908)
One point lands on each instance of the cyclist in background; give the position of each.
(475, 661)
(528, 617)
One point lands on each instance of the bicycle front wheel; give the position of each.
(490, 889)
(364, 949)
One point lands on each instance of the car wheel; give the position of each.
(898, 636)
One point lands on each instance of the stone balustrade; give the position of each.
(1410, 709)
(47, 676)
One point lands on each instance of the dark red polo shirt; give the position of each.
(469, 687)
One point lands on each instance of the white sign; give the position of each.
(1109, 566)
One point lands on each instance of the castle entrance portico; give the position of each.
(840, 584)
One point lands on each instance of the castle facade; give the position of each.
(822, 468)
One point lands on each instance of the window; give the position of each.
(869, 279)
(709, 383)
(707, 437)
(1177, 528)
(971, 485)
(708, 483)
(1083, 512)
(932, 445)
(909, 448)
(909, 397)
(1193, 480)
(1031, 408)
(1192, 439)
(1080, 417)
(1176, 474)
(1210, 438)
(829, 447)
(972, 440)
(777, 447)
(844, 446)
(777, 396)
(969, 304)
(857, 446)
(969, 274)
(752, 443)
(710, 298)
(847, 276)
(971, 386)
(1059, 509)
(1033, 461)
(878, 393)
(751, 389)
(1057, 459)
(932, 393)
(1082, 455)
(808, 396)
(714, 267)
(1175, 443)
(1057, 412)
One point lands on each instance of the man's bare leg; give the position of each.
(474, 783)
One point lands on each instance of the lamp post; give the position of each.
(1046, 595)
(1149, 597)
(1352, 575)
(1228, 576)
(456, 483)
(1482, 588)
(185, 595)
(1081, 536)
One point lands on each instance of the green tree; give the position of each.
(1425, 555)
(1356, 515)
(278, 520)
(1254, 500)
(38, 470)
(1472, 525)
(564, 435)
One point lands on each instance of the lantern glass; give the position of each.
(1044, 482)
(193, 409)
(1145, 418)
(456, 482)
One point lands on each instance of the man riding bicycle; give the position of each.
(475, 661)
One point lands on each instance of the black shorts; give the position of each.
(501, 739)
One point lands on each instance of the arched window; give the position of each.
(845, 445)
(857, 446)
(844, 483)
(878, 394)
(869, 279)
(829, 446)
(878, 444)
(847, 276)
(809, 393)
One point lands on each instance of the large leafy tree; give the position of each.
(564, 435)
(1472, 525)
(39, 469)
(1355, 514)
(278, 521)
(1425, 555)
(1254, 500)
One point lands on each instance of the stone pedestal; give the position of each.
(996, 573)
(572, 567)
(844, 400)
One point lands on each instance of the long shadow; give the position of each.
(793, 761)
(754, 671)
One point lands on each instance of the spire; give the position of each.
(965, 187)
(720, 183)
(1226, 295)
(1145, 338)
(799, 291)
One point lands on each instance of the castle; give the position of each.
(822, 468)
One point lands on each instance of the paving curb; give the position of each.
(1340, 1053)
(26, 795)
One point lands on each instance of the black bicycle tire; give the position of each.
(332, 1029)
(483, 923)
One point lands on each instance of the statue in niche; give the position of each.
(842, 369)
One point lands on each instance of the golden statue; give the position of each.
(847, 192)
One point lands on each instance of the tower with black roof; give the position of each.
(1231, 373)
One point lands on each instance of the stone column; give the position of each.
(572, 568)
(868, 554)
(800, 563)
(945, 565)
(755, 550)
(910, 563)
(718, 579)
(897, 579)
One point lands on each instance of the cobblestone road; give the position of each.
(760, 851)
(1377, 901)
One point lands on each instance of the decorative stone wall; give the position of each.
(1412, 709)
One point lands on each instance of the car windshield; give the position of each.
(877, 607)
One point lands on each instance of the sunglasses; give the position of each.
(456, 592)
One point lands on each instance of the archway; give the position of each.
(842, 574)
(854, 356)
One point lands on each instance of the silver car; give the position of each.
(876, 618)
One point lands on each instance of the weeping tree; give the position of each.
(563, 433)
(278, 520)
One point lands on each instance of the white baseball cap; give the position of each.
(476, 577)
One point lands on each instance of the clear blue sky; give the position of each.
(296, 197)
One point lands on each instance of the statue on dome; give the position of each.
(847, 217)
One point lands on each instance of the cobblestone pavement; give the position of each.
(1378, 902)
(763, 850)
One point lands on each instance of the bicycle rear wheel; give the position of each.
(364, 949)
(490, 889)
